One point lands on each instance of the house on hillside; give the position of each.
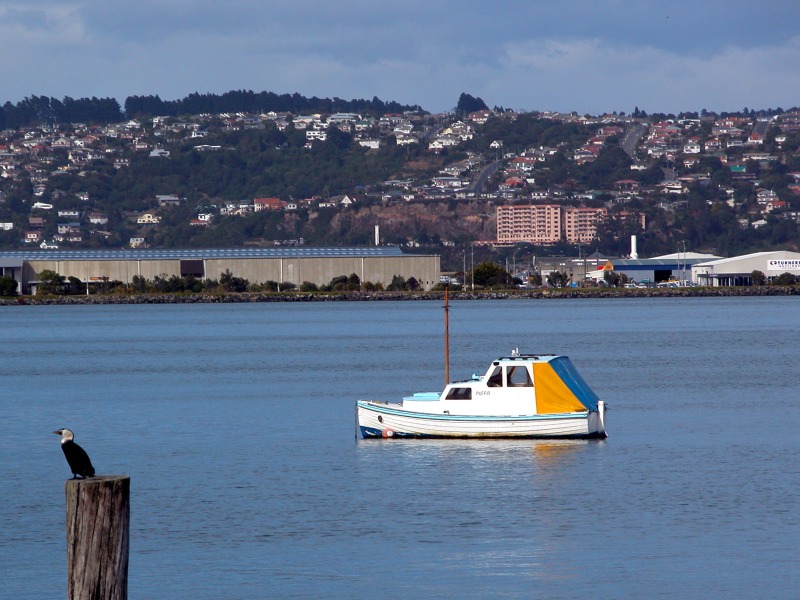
(168, 200)
(98, 218)
(260, 204)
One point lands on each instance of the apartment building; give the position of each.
(547, 224)
(537, 224)
(580, 224)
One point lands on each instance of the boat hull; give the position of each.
(378, 420)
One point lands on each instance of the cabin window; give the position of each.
(519, 377)
(496, 378)
(459, 393)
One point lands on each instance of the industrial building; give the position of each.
(658, 269)
(377, 264)
(738, 270)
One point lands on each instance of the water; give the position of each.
(235, 423)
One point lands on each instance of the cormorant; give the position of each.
(76, 456)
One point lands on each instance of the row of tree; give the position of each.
(44, 110)
(51, 283)
(258, 102)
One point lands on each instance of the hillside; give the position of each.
(433, 183)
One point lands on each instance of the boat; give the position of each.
(519, 396)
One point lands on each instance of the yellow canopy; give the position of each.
(552, 394)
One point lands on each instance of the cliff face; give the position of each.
(455, 221)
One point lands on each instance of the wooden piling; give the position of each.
(98, 521)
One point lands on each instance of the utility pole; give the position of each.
(464, 272)
(472, 273)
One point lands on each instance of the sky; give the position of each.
(589, 56)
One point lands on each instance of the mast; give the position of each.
(446, 334)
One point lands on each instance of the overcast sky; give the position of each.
(584, 55)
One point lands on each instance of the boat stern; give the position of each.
(597, 420)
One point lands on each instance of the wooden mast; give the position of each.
(446, 334)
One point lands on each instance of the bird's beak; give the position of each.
(57, 432)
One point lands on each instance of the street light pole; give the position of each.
(472, 260)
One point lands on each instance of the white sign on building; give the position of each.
(792, 264)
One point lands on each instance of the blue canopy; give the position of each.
(570, 376)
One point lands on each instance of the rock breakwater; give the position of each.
(533, 294)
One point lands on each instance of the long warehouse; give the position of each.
(376, 264)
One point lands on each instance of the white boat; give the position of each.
(520, 396)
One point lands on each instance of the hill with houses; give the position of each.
(499, 180)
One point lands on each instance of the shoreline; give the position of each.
(533, 294)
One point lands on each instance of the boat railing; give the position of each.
(525, 356)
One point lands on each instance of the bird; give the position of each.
(76, 456)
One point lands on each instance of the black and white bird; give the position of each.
(76, 456)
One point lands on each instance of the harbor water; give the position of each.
(236, 425)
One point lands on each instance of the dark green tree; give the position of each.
(784, 279)
(467, 104)
(231, 283)
(50, 283)
(353, 282)
(557, 279)
(8, 286)
(490, 274)
(398, 283)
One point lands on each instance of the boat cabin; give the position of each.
(520, 384)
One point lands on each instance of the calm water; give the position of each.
(235, 424)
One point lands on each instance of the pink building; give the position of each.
(580, 224)
(547, 224)
(538, 224)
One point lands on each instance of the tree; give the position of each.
(490, 274)
(307, 286)
(467, 104)
(784, 279)
(76, 286)
(398, 283)
(557, 279)
(758, 277)
(139, 283)
(8, 286)
(232, 283)
(50, 282)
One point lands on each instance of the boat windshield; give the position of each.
(496, 378)
(519, 377)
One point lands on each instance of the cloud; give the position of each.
(592, 75)
(50, 25)
(660, 55)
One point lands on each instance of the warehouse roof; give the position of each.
(202, 253)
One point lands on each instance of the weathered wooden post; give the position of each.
(98, 520)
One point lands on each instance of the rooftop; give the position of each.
(201, 253)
